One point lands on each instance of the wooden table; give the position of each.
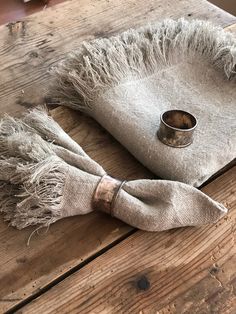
(94, 263)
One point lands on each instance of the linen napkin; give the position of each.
(46, 176)
(126, 81)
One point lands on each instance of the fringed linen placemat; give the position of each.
(125, 82)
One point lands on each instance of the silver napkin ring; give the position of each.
(106, 194)
(176, 128)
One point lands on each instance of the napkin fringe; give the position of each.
(20, 139)
(35, 194)
(32, 177)
(39, 120)
(135, 54)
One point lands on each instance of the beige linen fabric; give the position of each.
(126, 82)
(46, 176)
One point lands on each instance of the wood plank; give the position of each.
(30, 46)
(187, 270)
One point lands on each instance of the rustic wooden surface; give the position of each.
(29, 47)
(186, 270)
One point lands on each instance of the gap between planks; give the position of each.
(68, 273)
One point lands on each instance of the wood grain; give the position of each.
(187, 270)
(34, 44)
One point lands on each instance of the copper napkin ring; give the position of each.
(176, 128)
(106, 193)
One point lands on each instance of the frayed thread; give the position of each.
(35, 196)
(103, 63)
(34, 170)
(50, 130)
(18, 139)
(32, 177)
(28, 146)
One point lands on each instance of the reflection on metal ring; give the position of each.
(176, 128)
(106, 194)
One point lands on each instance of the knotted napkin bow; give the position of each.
(46, 176)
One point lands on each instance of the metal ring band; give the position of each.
(106, 194)
(116, 196)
